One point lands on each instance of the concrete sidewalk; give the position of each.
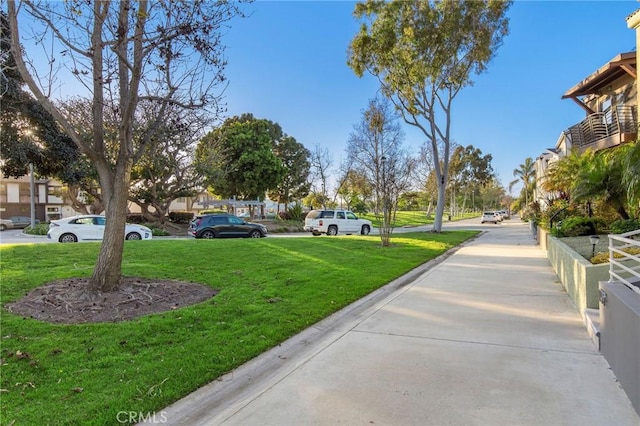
(487, 336)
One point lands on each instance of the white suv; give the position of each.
(332, 222)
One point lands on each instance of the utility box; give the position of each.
(620, 335)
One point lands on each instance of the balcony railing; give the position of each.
(615, 121)
(623, 266)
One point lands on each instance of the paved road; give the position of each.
(16, 236)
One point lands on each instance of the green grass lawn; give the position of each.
(414, 218)
(269, 290)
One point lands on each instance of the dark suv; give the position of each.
(224, 226)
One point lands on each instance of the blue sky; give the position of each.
(287, 63)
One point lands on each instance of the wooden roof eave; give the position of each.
(581, 104)
(611, 71)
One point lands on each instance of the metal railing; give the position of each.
(613, 121)
(624, 267)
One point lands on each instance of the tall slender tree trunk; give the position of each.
(437, 224)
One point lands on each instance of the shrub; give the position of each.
(295, 212)
(555, 213)
(157, 232)
(180, 217)
(135, 218)
(284, 215)
(39, 229)
(624, 225)
(360, 207)
(604, 256)
(578, 226)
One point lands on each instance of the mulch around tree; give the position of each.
(68, 301)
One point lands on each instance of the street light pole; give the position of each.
(32, 196)
(385, 224)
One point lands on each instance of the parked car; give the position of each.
(504, 214)
(91, 228)
(332, 222)
(224, 226)
(16, 222)
(490, 216)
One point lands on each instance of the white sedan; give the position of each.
(90, 228)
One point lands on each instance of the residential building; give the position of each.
(541, 166)
(15, 198)
(610, 99)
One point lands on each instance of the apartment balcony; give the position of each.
(616, 125)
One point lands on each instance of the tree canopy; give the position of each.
(122, 53)
(238, 159)
(295, 159)
(423, 53)
(376, 156)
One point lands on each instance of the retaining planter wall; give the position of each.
(578, 276)
(543, 239)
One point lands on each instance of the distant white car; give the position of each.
(91, 228)
(332, 222)
(505, 214)
(491, 216)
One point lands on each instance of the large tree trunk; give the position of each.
(108, 269)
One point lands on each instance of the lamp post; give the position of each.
(594, 240)
(385, 217)
(32, 196)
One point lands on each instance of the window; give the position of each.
(351, 215)
(235, 220)
(340, 215)
(83, 221)
(218, 220)
(13, 193)
(54, 191)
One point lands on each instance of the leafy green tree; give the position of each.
(409, 200)
(238, 158)
(423, 53)
(492, 195)
(30, 135)
(295, 184)
(124, 52)
(321, 163)
(165, 172)
(316, 200)
(355, 189)
(469, 170)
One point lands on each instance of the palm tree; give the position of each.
(601, 177)
(562, 173)
(631, 177)
(525, 174)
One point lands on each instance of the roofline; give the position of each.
(601, 74)
(633, 20)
